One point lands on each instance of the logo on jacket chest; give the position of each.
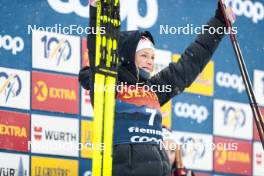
(138, 95)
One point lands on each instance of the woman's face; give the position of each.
(144, 59)
(170, 150)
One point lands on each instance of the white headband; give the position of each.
(145, 43)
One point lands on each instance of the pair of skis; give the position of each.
(259, 121)
(106, 60)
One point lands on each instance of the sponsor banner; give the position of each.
(232, 156)
(166, 114)
(14, 88)
(14, 131)
(56, 52)
(49, 136)
(85, 167)
(201, 174)
(196, 150)
(87, 108)
(11, 44)
(258, 159)
(194, 115)
(86, 139)
(53, 166)
(14, 164)
(232, 119)
(53, 92)
(256, 135)
(162, 60)
(259, 86)
(85, 56)
(204, 83)
(128, 11)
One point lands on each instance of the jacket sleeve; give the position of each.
(181, 74)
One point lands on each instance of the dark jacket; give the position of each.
(179, 75)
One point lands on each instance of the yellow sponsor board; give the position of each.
(204, 83)
(86, 139)
(166, 114)
(42, 166)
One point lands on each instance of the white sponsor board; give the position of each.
(14, 164)
(197, 150)
(87, 109)
(55, 52)
(259, 86)
(232, 119)
(14, 88)
(54, 135)
(258, 159)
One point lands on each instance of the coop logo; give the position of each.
(129, 11)
(224, 156)
(42, 92)
(185, 110)
(52, 135)
(14, 44)
(56, 49)
(235, 117)
(10, 86)
(250, 9)
(145, 139)
(195, 148)
(230, 81)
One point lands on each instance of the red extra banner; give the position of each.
(14, 131)
(53, 92)
(256, 135)
(232, 156)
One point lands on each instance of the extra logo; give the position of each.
(194, 148)
(250, 9)
(56, 49)
(15, 45)
(192, 111)
(232, 81)
(129, 11)
(235, 117)
(10, 85)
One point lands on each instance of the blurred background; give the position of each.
(41, 101)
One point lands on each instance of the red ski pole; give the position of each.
(252, 100)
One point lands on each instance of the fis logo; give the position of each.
(194, 148)
(10, 85)
(250, 9)
(14, 44)
(192, 111)
(56, 49)
(129, 11)
(233, 81)
(235, 117)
